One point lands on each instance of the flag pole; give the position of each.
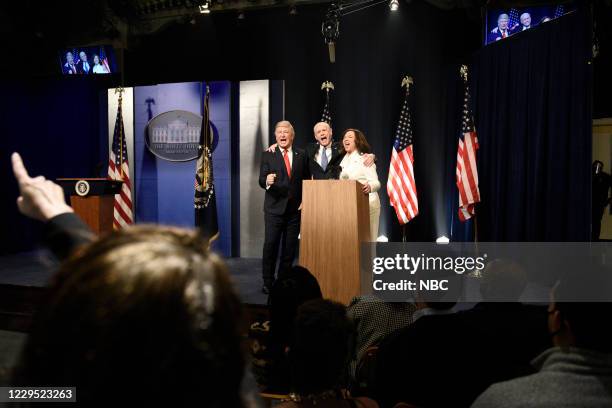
(121, 135)
(406, 81)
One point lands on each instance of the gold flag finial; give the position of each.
(407, 81)
(327, 85)
(464, 72)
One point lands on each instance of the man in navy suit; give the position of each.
(502, 30)
(325, 155)
(281, 174)
(70, 67)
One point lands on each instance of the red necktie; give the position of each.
(287, 164)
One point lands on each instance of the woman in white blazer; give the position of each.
(355, 145)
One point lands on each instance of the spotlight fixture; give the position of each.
(241, 15)
(394, 5)
(204, 7)
(293, 11)
(331, 30)
(442, 240)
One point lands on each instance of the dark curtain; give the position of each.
(532, 101)
(59, 127)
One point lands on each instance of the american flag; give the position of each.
(400, 184)
(119, 169)
(513, 20)
(559, 11)
(467, 171)
(326, 114)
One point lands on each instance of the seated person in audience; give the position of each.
(319, 355)
(577, 371)
(425, 364)
(523, 326)
(374, 319)
(146, 312)
(144, 315)
(290, 290)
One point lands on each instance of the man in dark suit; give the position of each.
(501, 31)
(281, 174)
(70, 67)
(324, 155)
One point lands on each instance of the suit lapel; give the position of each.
(335, 151)
(294, 162)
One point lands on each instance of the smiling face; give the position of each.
(323, 133)
(525, 19)
(83, 56)
(284, 134)
(502, 22)
(69, 58)
(96, 60)
(348, 141)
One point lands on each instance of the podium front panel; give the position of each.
(335, 220)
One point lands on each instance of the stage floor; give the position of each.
(34, 269)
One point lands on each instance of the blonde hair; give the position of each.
(287, 124)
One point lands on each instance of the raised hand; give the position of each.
(39, 198)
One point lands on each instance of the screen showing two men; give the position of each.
(88, 60)
(503, 23)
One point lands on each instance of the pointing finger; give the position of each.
(19, 170)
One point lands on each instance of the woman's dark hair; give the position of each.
(320, 351)
(293, 287)
(361, 143)
(145, 314)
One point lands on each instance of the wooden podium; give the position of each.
(335, 221)
(93, 200)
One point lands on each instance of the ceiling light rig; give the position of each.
(204, 7)
(331, 24)
(331, 30)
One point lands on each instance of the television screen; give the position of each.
(94, 60)
(503, 23)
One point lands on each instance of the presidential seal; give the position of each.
(82, 188)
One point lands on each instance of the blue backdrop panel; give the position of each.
(164, 189)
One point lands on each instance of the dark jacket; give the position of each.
(285, 190)
(569, 377)
(64, 233)
(448, 360)
(333, 167)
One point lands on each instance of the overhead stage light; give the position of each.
(442, 240)
(331, 30)
(394, 5)
(204, 7)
